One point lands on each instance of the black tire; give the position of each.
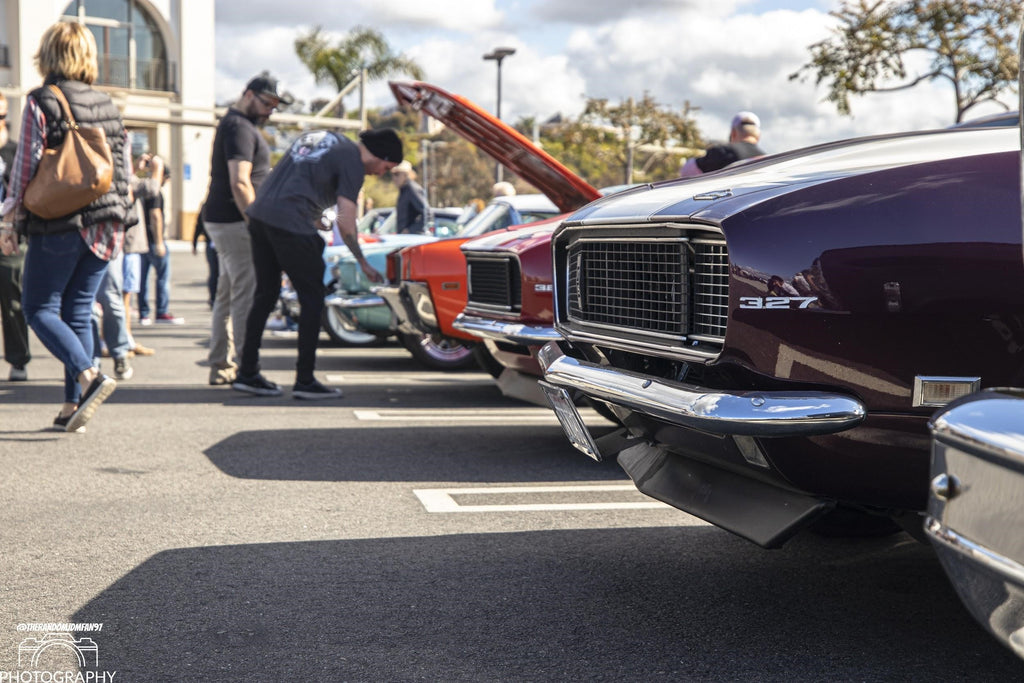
(438, 352)
(846, 522)
(486, 361)
(342, 332)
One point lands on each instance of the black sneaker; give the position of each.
(256, 384)
(60, 424)
(123, 368)
(314, 390)
(98, 392)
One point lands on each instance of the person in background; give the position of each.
(110, 325)
(67, 256)
(239, 164)
(157, 256)
(411, 206)
(744, 136)
(320, 169)
(211, 256)
(135, 245)
(503, 189)
(15, 329)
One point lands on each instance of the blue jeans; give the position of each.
(114, 328)
(58, 288)
(162, 266)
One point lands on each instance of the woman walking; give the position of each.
(67, 256)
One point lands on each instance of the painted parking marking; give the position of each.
(471, 415)
(382, 378)
(443, 500)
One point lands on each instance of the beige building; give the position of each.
(156, 60)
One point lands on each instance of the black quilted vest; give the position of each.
(91, 108)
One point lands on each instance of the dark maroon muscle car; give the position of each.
(775, 337)
(510, 305)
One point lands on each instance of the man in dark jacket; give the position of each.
(744, 135)
(411, 207)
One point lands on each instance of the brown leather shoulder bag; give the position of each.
(73, 175)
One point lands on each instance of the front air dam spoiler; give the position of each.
(758, 511)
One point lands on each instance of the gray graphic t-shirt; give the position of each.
(319, 167)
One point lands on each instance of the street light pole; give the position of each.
(498, 54)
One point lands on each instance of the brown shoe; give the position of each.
(222, 376)
(141, 350)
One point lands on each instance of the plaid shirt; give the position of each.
(104, 239)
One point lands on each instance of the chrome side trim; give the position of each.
(947, 538)
(513, 333)
(748, 413)
(365, 301)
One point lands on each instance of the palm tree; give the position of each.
(360, 49)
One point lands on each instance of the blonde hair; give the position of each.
(68, 50)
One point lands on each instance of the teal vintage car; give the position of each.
(352, 317)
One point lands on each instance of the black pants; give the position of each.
(15, 329)
(301, 257)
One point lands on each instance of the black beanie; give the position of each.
(383, 144)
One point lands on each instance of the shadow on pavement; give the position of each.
(406, 453)
(540, 606)
(428, 392)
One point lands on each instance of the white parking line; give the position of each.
(441, 500)
(382, 378)
(499, 415)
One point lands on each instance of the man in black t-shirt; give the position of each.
(239, 164)
(744, 134)
(320, 169)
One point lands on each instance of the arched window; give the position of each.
(132, 52)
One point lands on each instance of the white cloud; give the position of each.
(717, 54)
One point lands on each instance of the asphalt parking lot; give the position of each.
(421, 528)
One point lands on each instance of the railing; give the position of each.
(5, 56)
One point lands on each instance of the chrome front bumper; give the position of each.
(746, 413)
(976, 507)
(512, 333)
(362, 301)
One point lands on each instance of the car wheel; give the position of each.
(342, 331)
(439, 352)
(845, 522)
(485, 359)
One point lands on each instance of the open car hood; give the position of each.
(506, 145)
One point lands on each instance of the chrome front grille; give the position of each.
(671, 290)
(710, 289)
(630, 284)
(494, 283)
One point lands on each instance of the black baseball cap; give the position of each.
(383, 143)
(265, 84)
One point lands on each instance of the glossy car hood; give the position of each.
(567, 190)
(717, 195)
(514, 240)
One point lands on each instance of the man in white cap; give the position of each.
(411, 207)
(744, 134)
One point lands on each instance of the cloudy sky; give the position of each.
(720, 55)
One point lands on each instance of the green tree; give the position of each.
(969, 43)
(339, 62)
(643, 130)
